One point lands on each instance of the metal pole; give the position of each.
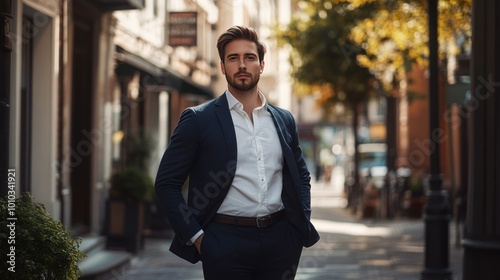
(481, 241)
(437, 210)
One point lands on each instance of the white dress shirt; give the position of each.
(257, 184)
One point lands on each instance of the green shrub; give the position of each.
(43, 247)
(416, 184)
(133, 184)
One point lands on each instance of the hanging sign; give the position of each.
(183, 29)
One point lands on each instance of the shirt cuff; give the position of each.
(193, 239)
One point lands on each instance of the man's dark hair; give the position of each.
(237, 33)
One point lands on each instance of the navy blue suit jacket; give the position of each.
(203, 148)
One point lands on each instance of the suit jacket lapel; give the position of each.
(226, 122)
(283, 135)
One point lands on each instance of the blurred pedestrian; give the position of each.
(326, 159)
(248, 206)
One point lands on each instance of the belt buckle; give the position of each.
(262, 219)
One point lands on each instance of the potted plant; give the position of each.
(132, 189)
(370, 201)
(415, 197)
(36, 245)
(132, 184)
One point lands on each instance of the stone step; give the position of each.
(91, 244)
(101, 263)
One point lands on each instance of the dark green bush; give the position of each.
(133, 184)
(44, 248)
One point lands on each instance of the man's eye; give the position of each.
(251, 57)
(232, 58)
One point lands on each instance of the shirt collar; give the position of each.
(232, 101)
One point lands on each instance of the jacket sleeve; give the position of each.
(174, 169)
(304, 175)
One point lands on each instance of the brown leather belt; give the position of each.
(259, 222)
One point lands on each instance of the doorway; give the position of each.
(82, 112)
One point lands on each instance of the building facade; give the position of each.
(84, 75)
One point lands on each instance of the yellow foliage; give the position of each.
(394, 36)
(399, 36)
(325, 93)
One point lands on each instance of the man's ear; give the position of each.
(222, 68)
(262, 63)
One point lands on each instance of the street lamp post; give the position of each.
(437, 210)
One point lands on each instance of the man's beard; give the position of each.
(243, 85)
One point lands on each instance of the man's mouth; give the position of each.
(242, 75)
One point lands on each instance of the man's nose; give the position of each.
(242, 64)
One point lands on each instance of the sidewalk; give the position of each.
(349, 248)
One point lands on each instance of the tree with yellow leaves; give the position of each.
(396, 35)
(339, 46)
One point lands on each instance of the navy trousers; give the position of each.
(250, 253)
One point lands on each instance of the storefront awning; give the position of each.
(157, 76)
(119, 5)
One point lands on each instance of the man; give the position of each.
(248, 207)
